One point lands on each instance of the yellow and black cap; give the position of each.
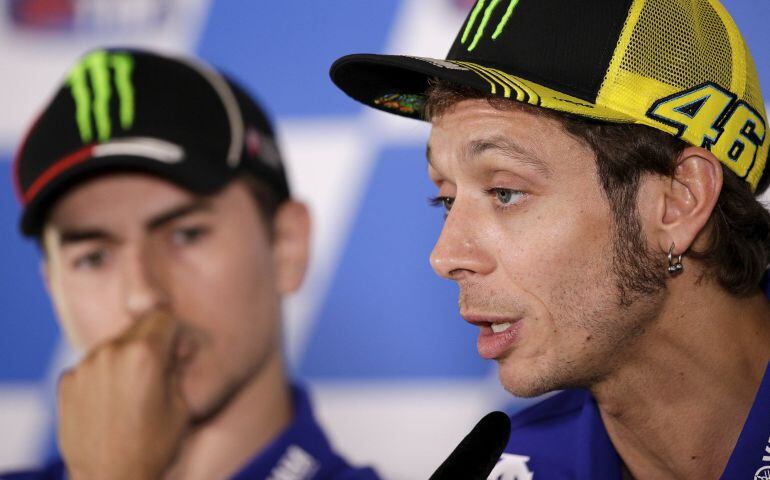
(680, 66)
(132, 110)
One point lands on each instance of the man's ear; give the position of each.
(291, 245)
(689, 199)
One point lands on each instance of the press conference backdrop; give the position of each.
(391, 366)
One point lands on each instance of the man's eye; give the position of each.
(91, 260)
(445, 202)
(187, 236)
(506, 196)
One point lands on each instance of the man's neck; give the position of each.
(221, 446)
(677, 404)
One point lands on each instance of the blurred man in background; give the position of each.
(157, 193)
(598, 163)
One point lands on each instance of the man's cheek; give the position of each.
(92, 323)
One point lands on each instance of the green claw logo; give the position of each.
(485, 20)
(96, 67)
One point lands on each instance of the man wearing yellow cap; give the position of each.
(598, 163)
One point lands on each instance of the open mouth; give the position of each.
(496, 335)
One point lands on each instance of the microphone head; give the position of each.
(478, 453)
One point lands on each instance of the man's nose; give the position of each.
(459, 251)
(143, 284)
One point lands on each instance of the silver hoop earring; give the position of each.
(674, 267)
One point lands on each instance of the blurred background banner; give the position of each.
(391, 366)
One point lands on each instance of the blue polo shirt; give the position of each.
(563, 437)
(300, 452)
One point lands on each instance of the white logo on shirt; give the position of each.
(511, 467)
(766, 458)
(295, 464)
(762, 474)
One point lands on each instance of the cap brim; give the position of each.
(36, 211)
(397, 84)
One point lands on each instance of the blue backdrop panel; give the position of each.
(386, 314)
(282, 50)
(29, 332)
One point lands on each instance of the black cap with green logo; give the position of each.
(131, 110)
(680, 66)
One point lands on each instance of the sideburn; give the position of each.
(639, 272)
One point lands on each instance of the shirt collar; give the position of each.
(751, 456)
(301, 450)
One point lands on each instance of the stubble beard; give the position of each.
(621, 318)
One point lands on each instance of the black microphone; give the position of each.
(478, 453)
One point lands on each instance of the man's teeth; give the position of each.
(500, 327)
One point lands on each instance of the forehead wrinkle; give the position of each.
(511, 149)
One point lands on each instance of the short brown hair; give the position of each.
(737, 252)
(266, 199)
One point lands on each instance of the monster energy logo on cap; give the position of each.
(96, 100)
(485, 20)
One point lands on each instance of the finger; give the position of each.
(158, 330)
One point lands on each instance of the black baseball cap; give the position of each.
(133, 110)
(680, 66)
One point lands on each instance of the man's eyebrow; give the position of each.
(69, 236)
(510, 148)
(427, 155)
(194, 206)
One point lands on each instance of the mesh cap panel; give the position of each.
(753, 95)
(672, 43)
(669, 48)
